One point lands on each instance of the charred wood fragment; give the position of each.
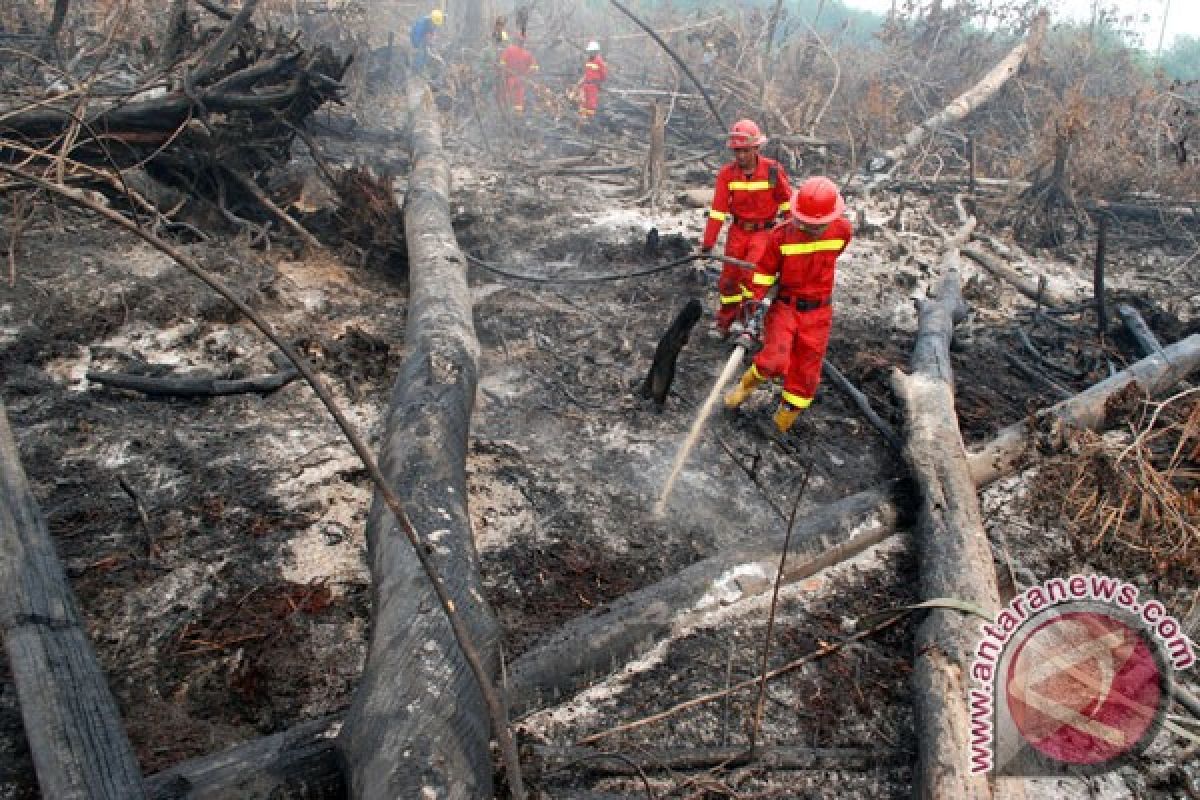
(194, 387)
(662, 371)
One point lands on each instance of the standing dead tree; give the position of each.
(1048, 204)
(654, 170)
(79, 748)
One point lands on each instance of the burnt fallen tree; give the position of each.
(419, 721)
(1012, 446)
(591, 647)
(228, 111)
(954, 556)
(180, 386)
(80, 750)
(968, 101)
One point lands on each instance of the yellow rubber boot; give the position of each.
(750, 381)
(785, 417)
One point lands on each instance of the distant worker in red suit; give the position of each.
(517, 64)
(595, 72)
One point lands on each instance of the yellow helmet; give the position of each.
(437, 17)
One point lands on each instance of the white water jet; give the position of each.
(735, 361)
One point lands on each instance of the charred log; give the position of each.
(1152, 375)
(419, 720)
(954, 557)
(1034, 290)
(300, 762)
(662, 371)
(80, 750)
(1146, 341)
(194, 387)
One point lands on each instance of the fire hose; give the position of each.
(615, 276)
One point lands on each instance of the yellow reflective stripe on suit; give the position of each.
(749, 186)
(721, 215)
(763, 280)
(803, 248)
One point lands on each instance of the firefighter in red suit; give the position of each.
(751, 191)
(595, 72)
(517, 64)
(801, 257)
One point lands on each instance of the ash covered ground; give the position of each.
(238, 606)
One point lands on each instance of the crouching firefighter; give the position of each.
(801, 260)
(750, 192)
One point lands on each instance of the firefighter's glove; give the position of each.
(750, 327)
(706, 252)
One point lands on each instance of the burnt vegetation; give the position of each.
(210, 209)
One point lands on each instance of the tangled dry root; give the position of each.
(1134, 500)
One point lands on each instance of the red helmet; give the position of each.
(817, 202)
(745, 134)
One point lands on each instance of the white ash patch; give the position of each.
(500, 512)
(140, 260)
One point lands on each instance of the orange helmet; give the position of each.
(817, 201)
(745, 134)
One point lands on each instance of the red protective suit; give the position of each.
(751, 203)
(595, 72)
(796, 330)
(516, 64)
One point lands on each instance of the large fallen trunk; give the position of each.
(418, 722)
(74, 730)
(1008, 450)
(953, 554)
(593, 646)
(971, 99)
